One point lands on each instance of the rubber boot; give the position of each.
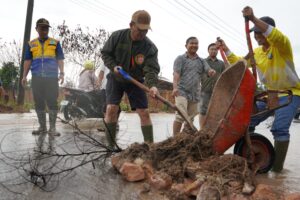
(42, 123)
(110, 132)
(281, 148)
(52, 121)
(148, 133)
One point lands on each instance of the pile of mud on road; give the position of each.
(185, 166)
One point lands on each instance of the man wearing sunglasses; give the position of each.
(137, 55)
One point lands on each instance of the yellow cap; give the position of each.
(89, 65)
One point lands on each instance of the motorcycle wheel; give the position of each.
(66, 112)
(263, 151)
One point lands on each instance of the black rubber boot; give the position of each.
(148, 133)
(42, 123)
(52, 121)
(110, 132)
(281, 148)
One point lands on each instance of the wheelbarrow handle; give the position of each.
(126, 76)
(257, 98)
(250, 48)
(223, 53)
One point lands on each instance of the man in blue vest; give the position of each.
(45, 58)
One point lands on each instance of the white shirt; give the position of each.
(104, 81)
(87, 80)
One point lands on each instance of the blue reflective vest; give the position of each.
(44, 62)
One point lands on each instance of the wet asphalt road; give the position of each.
(101, 181)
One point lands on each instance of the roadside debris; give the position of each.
(185, 165)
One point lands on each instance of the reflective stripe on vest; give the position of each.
(44, 61)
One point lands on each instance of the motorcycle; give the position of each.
(79, 104)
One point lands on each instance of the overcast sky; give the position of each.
(173, 21)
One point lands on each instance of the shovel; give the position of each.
(182, 113)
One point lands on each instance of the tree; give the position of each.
(9, 74)
(80, 45)
(11, 52)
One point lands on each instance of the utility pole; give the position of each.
(21, 91)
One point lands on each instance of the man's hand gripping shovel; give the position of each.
(182, 113)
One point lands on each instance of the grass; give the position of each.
(13, 107)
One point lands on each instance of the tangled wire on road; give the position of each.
(46, 163)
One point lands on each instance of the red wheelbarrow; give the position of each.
(228, 117)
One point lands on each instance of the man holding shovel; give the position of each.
(132, 51)
(275, 66)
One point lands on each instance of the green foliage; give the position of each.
(165, 108)
(28, 106)
(17, 108)
(9, 74)
(124, 106)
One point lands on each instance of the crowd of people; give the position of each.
(193, 77)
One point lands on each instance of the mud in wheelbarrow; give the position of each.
(229, 113)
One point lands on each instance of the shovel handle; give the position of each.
(250, 49)
(157, 96)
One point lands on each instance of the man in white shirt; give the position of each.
(101, 83)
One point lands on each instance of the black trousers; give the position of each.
(45, 92)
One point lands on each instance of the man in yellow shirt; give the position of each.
(276, 70)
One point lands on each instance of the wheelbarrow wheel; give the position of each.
(263, 151)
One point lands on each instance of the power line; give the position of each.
(170, 13)
(206, 21)
(203, 19)
(124, 16)
(96, 8)
(227, 24)
(108, 10)
(111, 11)
(90, 6)
(225, 27)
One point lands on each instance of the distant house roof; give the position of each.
(164, 84)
